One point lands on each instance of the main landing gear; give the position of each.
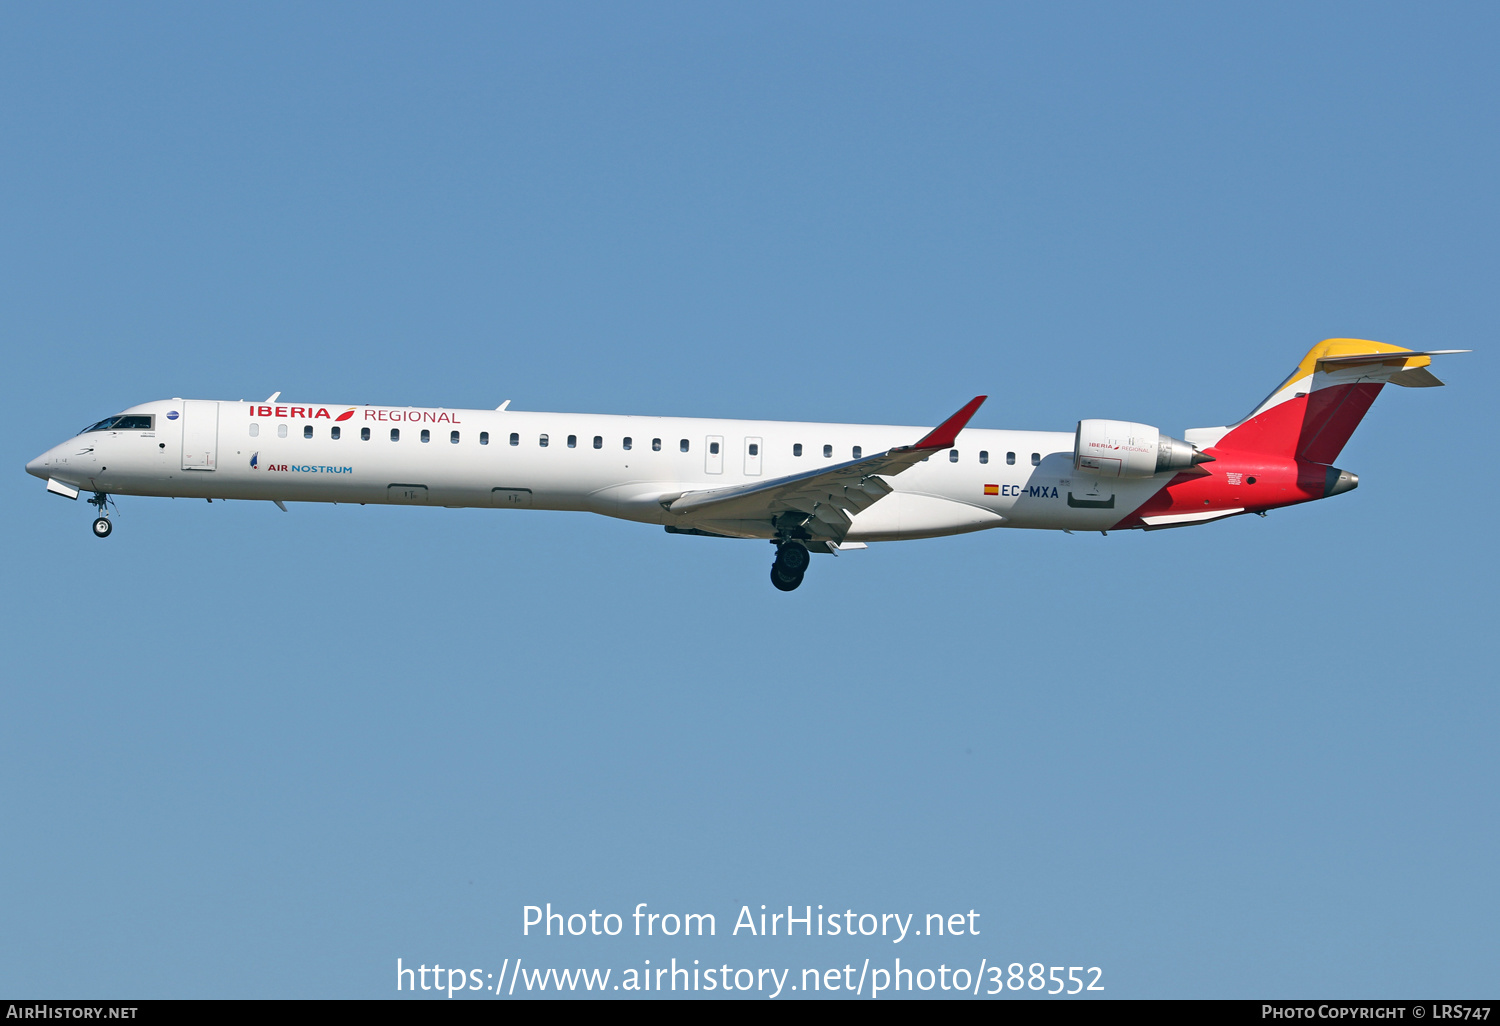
(791, 564)
(102, 526)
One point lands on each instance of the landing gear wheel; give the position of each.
(102, 527)
(792, 558)
(783, 583)
(791, 564)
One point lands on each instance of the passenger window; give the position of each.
(797, 449)
(952, 455)
(713, 448)
(426, 435)
(683, 445)
(515, 438)
(656, 445)
(542, 441)
(395, 434)
(572, 441)
(280, 430)
(1036, 459)
(453, 437)
(598, 441)
(1010, 459)
(827, 451)
(754, 449)
(984, 455)
(307, 431)
(334, 433)
(364, 434)
(254, 430)
(626, 443)
(859, 451)
(484, 438)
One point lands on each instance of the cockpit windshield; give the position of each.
(124, 422)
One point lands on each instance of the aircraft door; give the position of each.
(713, 454)
(200, 435)
(752, 456)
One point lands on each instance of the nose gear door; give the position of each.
(200, 435)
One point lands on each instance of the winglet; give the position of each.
(943, 436)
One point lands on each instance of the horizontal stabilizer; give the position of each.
(1392, 358)
(1416, 377)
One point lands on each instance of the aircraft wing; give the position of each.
(826, 499)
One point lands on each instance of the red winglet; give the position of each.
(942, 436)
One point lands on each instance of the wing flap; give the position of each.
(832, 516)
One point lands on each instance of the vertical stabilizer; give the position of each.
(1311, 415)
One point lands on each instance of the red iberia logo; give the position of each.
(299, 412)
(324, 413)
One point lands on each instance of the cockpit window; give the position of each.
(125, 422)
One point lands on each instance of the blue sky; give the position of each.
(248, 753)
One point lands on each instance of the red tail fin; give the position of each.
(1312, 414)
(1311, 426)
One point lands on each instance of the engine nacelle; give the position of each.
(1118, 448)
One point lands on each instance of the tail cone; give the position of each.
(1338, 481)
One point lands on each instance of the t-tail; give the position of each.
(1283, 453)
(1310, 416)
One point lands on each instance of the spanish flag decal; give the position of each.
(992, 489)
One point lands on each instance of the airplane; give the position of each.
(805, 487)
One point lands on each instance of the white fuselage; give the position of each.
(618, 466)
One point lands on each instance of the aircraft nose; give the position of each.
(38, 467)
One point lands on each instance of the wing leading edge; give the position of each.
(821, 502)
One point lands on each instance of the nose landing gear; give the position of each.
(791, 563)
(102, 526)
